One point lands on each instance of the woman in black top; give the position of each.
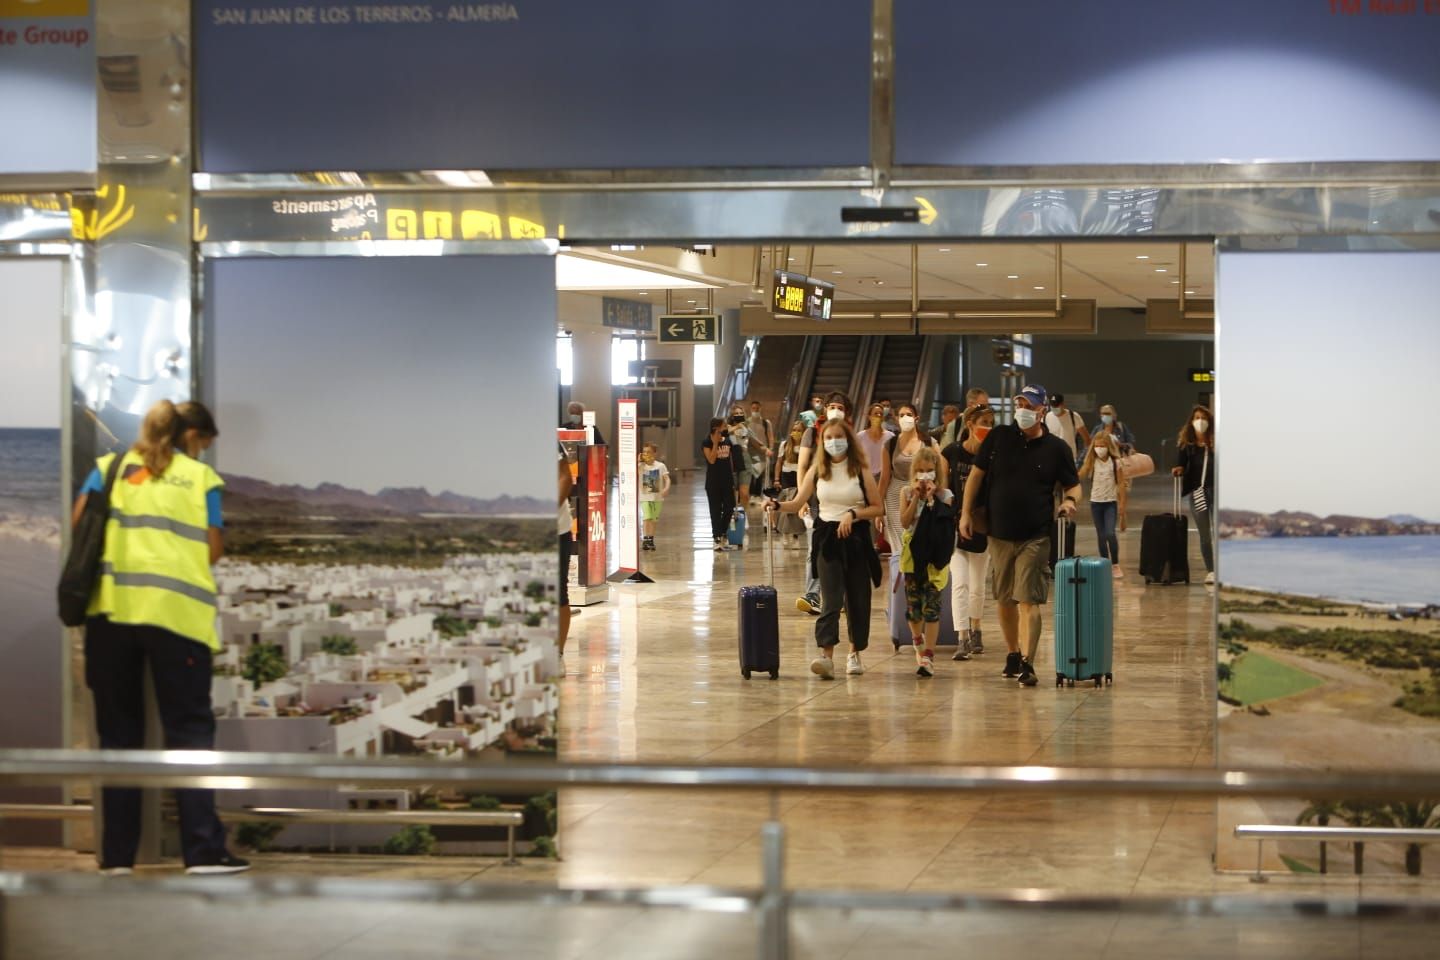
(720, 470)
(1196, 467)
(969, 564)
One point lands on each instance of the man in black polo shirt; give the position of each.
(1026, 463)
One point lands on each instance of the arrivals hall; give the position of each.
(808, 479)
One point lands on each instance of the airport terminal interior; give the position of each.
(302, 304)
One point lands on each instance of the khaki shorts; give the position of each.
(1017, 569)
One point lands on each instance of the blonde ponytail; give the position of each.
(156, 445)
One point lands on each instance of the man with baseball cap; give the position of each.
(1024, 463)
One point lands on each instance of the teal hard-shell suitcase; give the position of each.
(1084, 621)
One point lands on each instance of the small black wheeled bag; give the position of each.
(87, 546)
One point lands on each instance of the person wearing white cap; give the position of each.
(1027, 463)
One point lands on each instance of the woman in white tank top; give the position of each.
(844, 550)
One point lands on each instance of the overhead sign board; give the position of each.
(434, 85)
(797, 295)
(626, 314)
(690, 328)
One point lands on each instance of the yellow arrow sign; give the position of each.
(927, 211)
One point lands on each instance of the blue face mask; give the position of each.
(1106, 419)
(836, 446)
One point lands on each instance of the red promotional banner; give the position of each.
(594, 568)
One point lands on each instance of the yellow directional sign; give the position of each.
(927, 210)
(690, 328)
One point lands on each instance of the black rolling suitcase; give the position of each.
(1164, 542)
(760, 622)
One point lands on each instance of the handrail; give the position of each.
(1359, 836)
(247, 771)
(509, 819)
(1254, 831)
(712, 899)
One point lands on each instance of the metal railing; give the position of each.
(772, 903)
(509, 819)
(1359, 836)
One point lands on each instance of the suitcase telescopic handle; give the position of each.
(1060, 552)
(1176, 488)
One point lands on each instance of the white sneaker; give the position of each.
(853, 666)
(1209, 579)
(116, 872)
(823, 667)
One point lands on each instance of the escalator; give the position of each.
(898, 373)
(835, 365)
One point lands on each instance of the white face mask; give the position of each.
(1200, 425)
(1025, 419)
(1102, 452)
(927, 475)
(836, 446)
(907, 422)
(834, 413)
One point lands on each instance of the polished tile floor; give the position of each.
(653, 675)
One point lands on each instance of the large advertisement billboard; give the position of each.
(1329, 550)
(390, 578)
(31, 511)
(47, 73)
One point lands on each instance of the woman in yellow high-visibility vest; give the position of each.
(154, 607)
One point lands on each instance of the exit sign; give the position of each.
(690, 328)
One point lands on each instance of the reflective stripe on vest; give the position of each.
(156, 566)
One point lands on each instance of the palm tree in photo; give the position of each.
(1411, 815)
(1319, 812)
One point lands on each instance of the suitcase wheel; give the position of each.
(745, 673)
(1059, 679)
(897, 648)
(775, 674)
(1069, 683)
(1109, 680)
(1097, 683)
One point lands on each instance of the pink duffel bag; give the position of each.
(1137, 465)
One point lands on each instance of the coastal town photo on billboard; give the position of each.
(390, 579)
(1329, 549)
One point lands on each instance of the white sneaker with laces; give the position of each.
(1209, 579)
(823, 667)
(853, 666)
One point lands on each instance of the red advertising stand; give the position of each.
(588, 466)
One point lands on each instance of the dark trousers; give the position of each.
(1202, 525)
(116, 656)
(722, 508)
(843, 584)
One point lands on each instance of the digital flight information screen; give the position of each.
(797, 295)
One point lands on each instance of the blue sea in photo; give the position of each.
(1391, 570)
(29, 472)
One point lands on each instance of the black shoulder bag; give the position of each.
(87, 547)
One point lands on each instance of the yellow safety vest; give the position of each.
(156, 567)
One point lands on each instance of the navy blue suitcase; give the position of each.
(760, 624)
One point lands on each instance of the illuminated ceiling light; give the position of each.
(1189, 293)
(982, 264)
(1176, 282)
(837, 272)
(1161, 270)
(879, 283)
(1143, 256)
(944, 249)
(646, 293)
(575, 272)
(1039, 288)
(1013, 276)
